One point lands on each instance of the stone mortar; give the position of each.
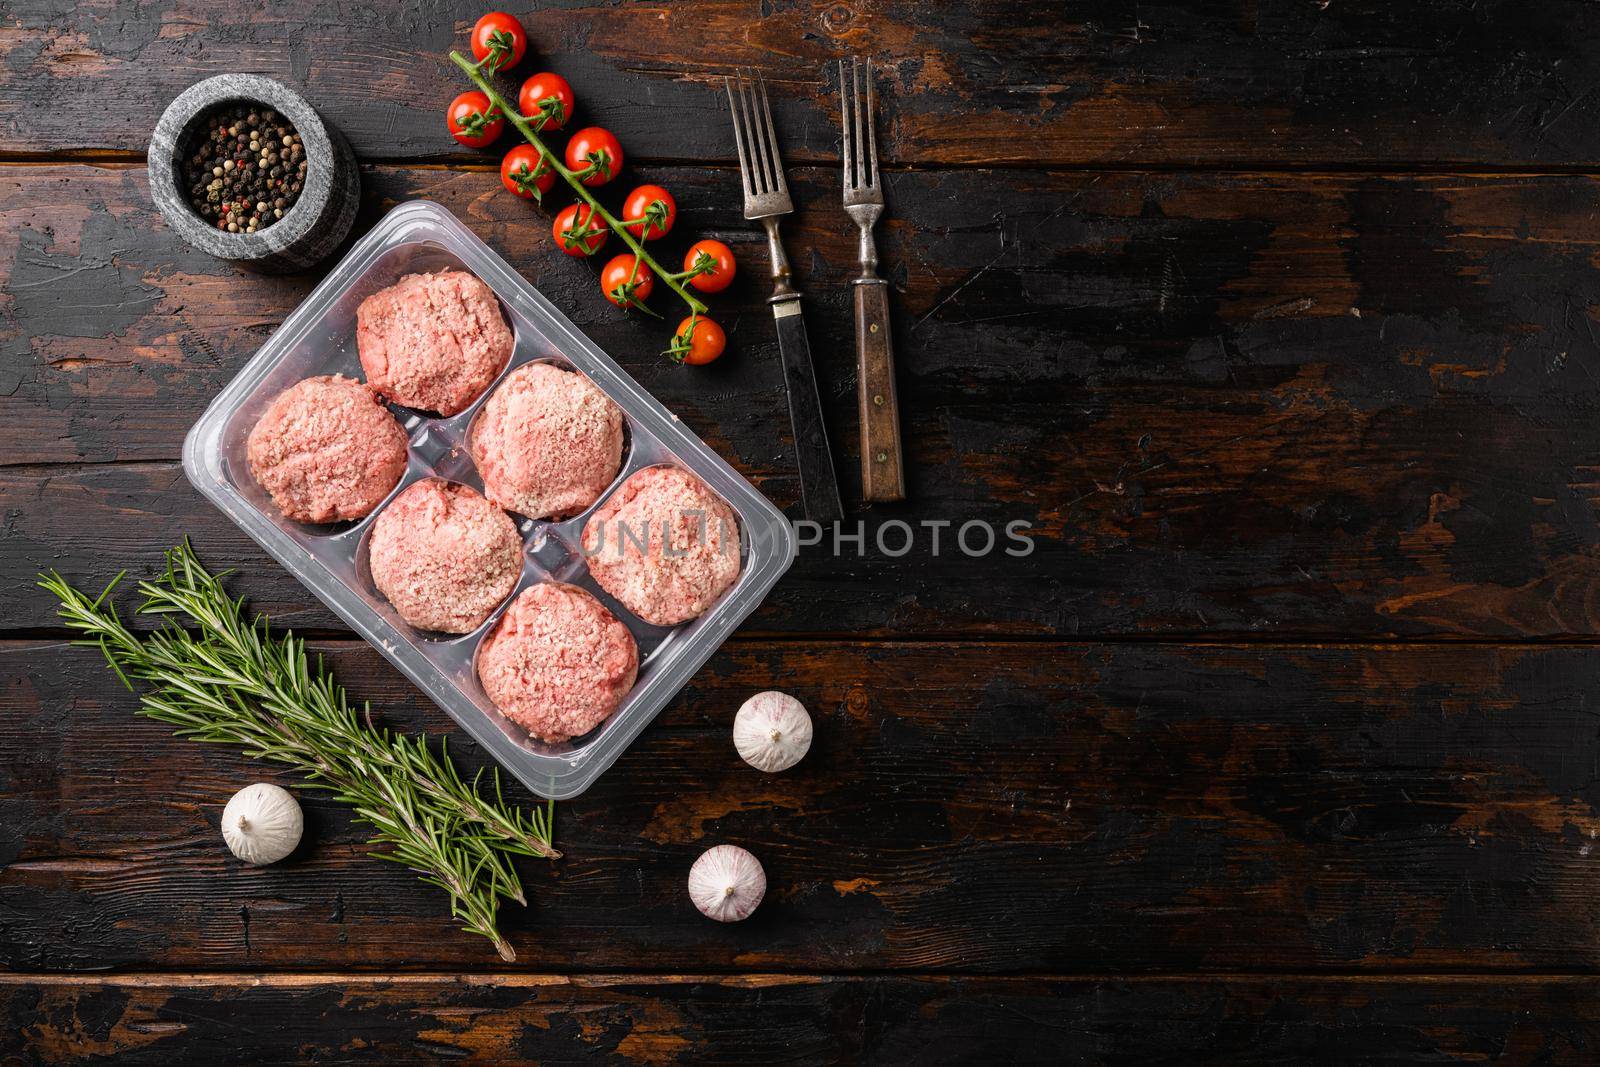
(310, 230)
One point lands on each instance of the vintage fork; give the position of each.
(766, 198)
(882, 473)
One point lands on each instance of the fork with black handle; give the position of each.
(766, 198)
(882, 473)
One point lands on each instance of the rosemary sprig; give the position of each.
(280, 674)
(233, 681)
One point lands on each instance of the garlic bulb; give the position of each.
(772, 731)
(726, 883)
(262, 823)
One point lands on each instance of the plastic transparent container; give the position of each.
(319, 338)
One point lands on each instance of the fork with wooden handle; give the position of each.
(766, 198)
(882, 474)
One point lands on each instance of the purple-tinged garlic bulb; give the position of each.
(726, 883)
(772, 731)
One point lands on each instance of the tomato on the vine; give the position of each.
(698, 341)
(655, 209)
(579, 231)
(547, 101)
(498, 41)
(595, 154)
(715, 262)
(627, 281)
(474, 121)
(525, 173)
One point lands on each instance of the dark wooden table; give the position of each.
(1280, 323)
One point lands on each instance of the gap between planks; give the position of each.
(45, 636)
(759, 979)
(121, 159)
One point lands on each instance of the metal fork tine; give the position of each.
(872, 130)
(758, 141)
(848, 124)
(860, 122)
(755, 136)
(759, 131)
(758, 97)
(864, 114)
(739, 139)
(779, 182)
(752, 146)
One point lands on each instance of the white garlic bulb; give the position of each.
(726, 883)
(262, 823)
(772, 731)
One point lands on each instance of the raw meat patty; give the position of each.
(557, 663)
(433, 341)
(657, 508)
(444, 556)
(548, 442)
(327, 450)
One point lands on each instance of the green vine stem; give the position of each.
(498, 103)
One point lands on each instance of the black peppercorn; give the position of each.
(244, 168)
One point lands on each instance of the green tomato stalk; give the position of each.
(703, 264)
(524, 127)
(626, 294)
(501, 45)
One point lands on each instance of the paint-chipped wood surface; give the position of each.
(1278, 323)
(1333, 405)
(1047, 808)
(778, 1018)
(1016, 81)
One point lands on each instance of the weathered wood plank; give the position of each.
(1018, 81)
(1019, 807)
(771, 1018)
(1290, 404)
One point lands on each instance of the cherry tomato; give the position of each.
(626, 281)
(595, 151)
(498, 41)
(525, 174)
(548, 96)
(473, 120)
(655, 204)
(573, 219)
(698, 341)
(722, 266)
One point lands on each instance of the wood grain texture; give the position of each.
(1226, 404)
(1318, 386)
(768, 1018)
(1024, 807)
(1016, 81)
(877, 404)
